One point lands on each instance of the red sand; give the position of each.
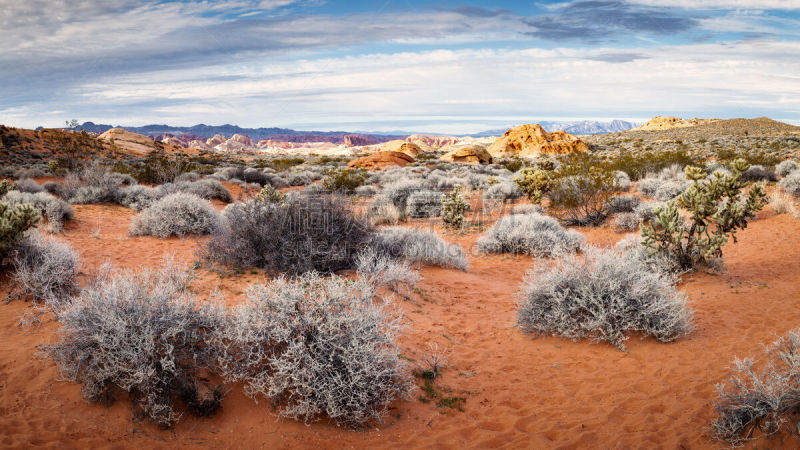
(521, 391)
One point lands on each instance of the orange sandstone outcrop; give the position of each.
(402, 146)
(533, 140)
(128, 142)
(666, 123)
(472, 154)
(379, 160)
(432, 140)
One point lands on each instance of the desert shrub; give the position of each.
(45, 269)
(782, 203)
(187, 177)
(315, 189)
(281, 164)
(669, 189)
(626, 222)
(144, 334)
(15, 219)
(791, 183)
(269, 194)
(645, 211)
(512, 164)
(761, 395)
(398, 192)
(7, 186)
(140, 197)
(786, 167)
(317, 346)
(207, 189)
(638, 164)
(425, 203)
(453, 206)
(55, 209)
(382, 211)
(95, 184)
(298, 179)
(28, 185)
(623, 203)
(158, 167)
(53, 188)
(177, 214)
(297, 235)
(621, 180)
(534, 183)
(366, 191)
(344, 181)
(758, 173)
(527, 209)
(648, 186)
(603, 295)
(381, 270)
(417, 246)
(717, 208)
(502, 191)
(580, 189)
(533, 234)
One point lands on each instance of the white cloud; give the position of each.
(722, 4)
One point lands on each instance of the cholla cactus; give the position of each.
(6, 186)
(453, 207)
(270, 195)
(534, 183)
(14, 220)
(717, 208)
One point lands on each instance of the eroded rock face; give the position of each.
(172, 140)
(402, 146)
(216, 140)
(666, 123)
(379, 160)
(472, 154)
(360, 140)
(128, 142)
(199, 145)
(432, 141)
(241, 139)
(533, 140)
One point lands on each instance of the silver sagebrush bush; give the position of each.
(603, 295)
(144, 334)
(317, 346)
(177, 215)
(533, 234)
(45, 269)
(417, 246)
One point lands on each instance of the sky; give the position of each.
(446, 66)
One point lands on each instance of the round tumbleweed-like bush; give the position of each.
(533, 234)
(177, 214)
(603, 295)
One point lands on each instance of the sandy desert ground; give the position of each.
(519, 391)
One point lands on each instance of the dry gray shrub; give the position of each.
(786, 167)
(644, 211)
(177, 215)
(623, 203)
(504, 190)
(603, 295)
(424, 203)
(533, 234)
(625, 222)
(29, 185)
(316, 346)
(761, 396)
(298, 234)
(381, 270)
(417, 246)
(144, 334)
(45, 270)
(791, 183)
(527, 209)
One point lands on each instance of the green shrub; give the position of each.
(6, 186)
(14, 221)
(281, 164)
(270, 195)
(717, 208)
(158, 167)
(345, 180)
(534, 183)
(453, 207)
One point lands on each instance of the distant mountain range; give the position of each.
(577, 127)
(337, 137)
